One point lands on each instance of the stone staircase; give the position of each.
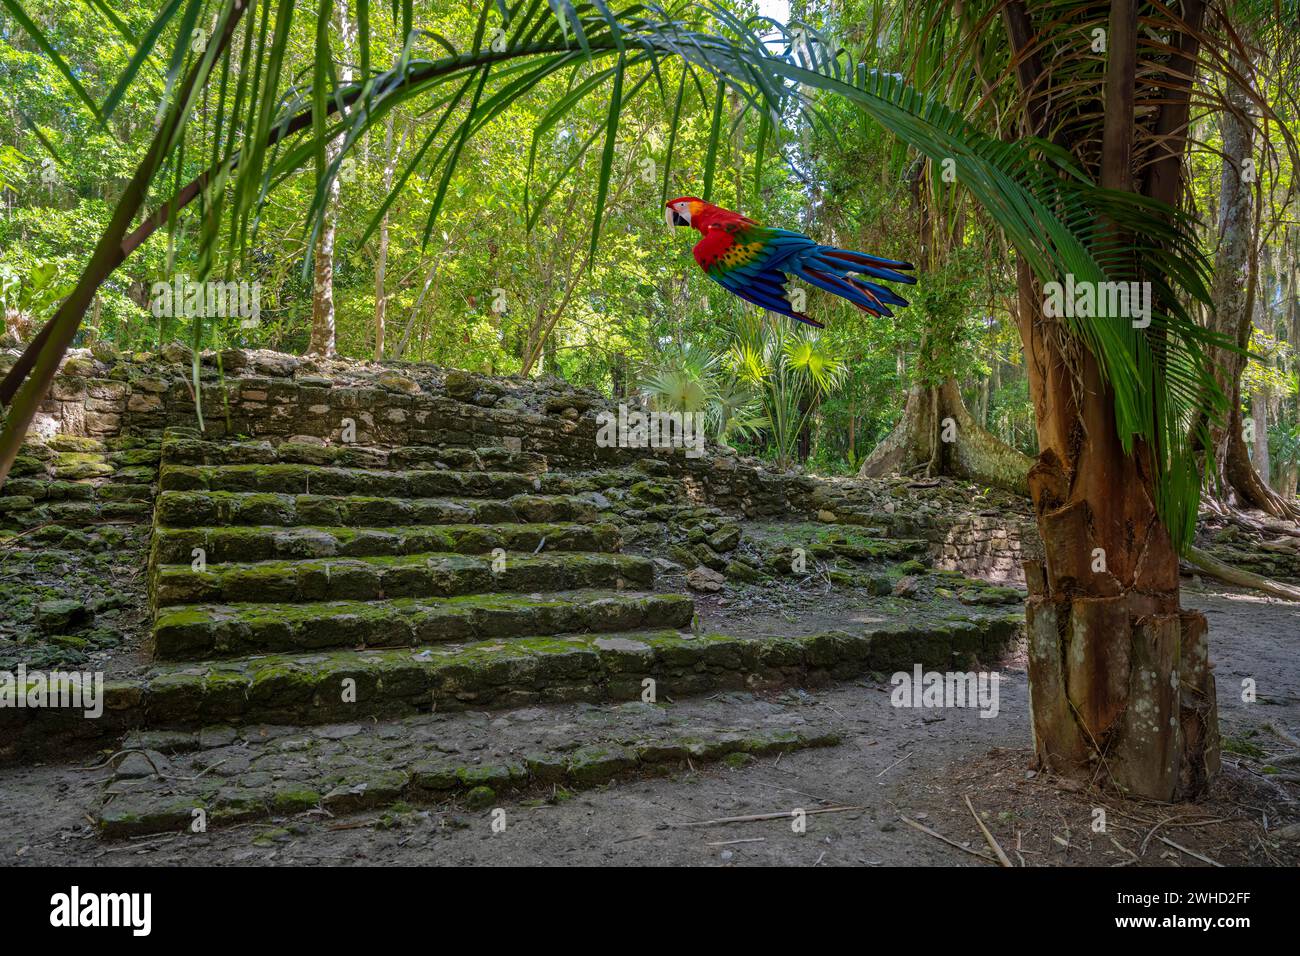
(392, 569)
(474, 596)
(369, 608)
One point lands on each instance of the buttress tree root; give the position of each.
(937, 435)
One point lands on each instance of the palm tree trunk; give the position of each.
(1121, 690)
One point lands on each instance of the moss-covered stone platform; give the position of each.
(308, 583)
(471, 598)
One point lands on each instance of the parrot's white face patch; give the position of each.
(678, 214)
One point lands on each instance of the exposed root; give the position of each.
(1225, 572)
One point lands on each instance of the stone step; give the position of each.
(256, 773)
(270, 543)
(199, 631)
(21, 513)
(320, 480)
(181, 509)
(190, 451)
(349, 685)
(369, 579)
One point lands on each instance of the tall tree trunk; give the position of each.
(986, 388)
(1231, 474)
(1231, 286)
(323, 339)
(1259, 400)
(1289, 473)
(381, 257)
(1121, 690)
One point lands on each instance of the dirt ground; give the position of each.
(894, 763)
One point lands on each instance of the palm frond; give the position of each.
(1049, 209)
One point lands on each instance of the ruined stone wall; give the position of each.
(279, 397)
(93, 448)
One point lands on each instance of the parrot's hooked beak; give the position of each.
(677, 214)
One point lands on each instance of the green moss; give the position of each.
(295, 800)
(491, 775)
(1238, 745)
(270, 837)
(75, 444)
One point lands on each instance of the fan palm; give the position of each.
(790, 370)
(690, 378)
(736, 411)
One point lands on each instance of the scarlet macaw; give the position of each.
(750, 261)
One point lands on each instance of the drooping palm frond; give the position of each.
(278, 125)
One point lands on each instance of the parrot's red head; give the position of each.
(682, 210)
(689, 211)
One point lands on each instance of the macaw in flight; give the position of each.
(752, 261)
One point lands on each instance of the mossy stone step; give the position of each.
(316, 479)
(181, 509)
(268, 772)
(22, 512)
(352, 685)
(189, 451)
(201, 631)
(268, 542)
(370, 579)
(777, 540)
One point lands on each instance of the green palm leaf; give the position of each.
(1050, 211)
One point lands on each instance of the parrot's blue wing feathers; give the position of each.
(764, 288)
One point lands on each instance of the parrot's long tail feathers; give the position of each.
(874, 266)
(859, 293)
(881, 292)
